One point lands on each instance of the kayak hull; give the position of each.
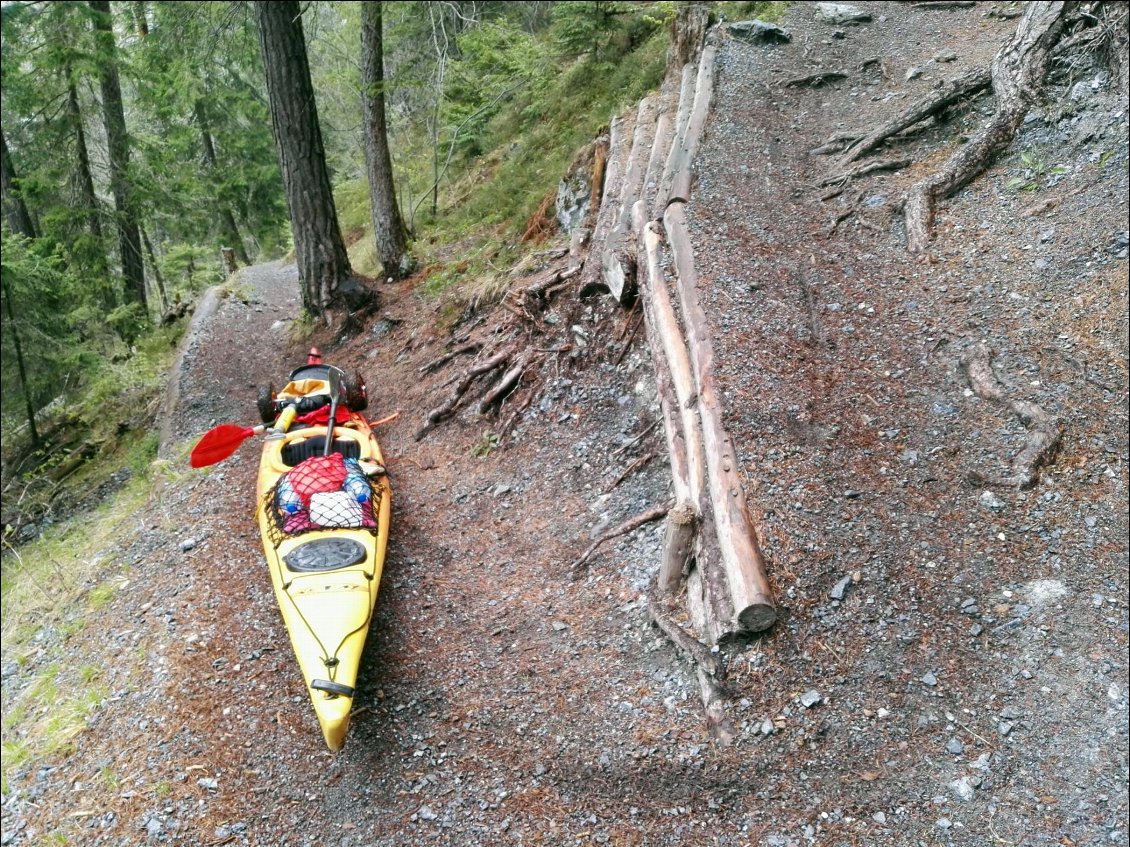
(325, 580)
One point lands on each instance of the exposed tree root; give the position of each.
(436, 364)
(708, 666)
(862, 170)
(953, 91)
(1044, 430)
(693, 649)
(447, 408)
(633, 523)
(816, 80)
(632, 468)
(1018, 73)
(836, 143)
(506, 384)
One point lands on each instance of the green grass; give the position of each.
(49, 715)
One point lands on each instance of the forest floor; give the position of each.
(968, 686)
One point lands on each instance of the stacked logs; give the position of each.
(711, 544)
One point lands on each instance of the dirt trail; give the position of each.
(951, 661)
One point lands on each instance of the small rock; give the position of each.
(837, 592)
(944, 823)
(767, 727)
(955, 746)
(930, 679)
(963, 788)
(1005, 727)
(981, 763)
(946, 56)
(558, 626)
(811, 698)
(991, 501)
(976, 630)
(1011, 713)
(879, 817)
(426, 813)
(153, 827)
(913, 73)
(208, 782)
(187, 544)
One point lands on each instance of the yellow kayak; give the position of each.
(325, 551)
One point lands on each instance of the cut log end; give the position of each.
(758, 616)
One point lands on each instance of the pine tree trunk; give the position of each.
(14, 327)
(15, 209)
(85, 180)
(228, 228)
(117, 142)
(320, 250)
(388, 226)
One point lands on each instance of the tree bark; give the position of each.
(13, 326)
(158, 279)
(85, 179)
(388, 225)
(1018, 73)
(15, 209)
(229, 231)
(117, 143)
(323, 263)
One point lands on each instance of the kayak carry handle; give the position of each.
(334, 688)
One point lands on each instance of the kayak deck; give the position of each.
(326, 580)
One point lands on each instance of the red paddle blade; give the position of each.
(217, 444)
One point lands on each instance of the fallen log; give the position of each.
(593, 271)
(684, 436)
(737, 538)
(619, 257)
(687, 142)
(682, 116)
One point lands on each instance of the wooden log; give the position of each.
(619, 257)
(678, 547)
(687, 143)
(682, 116)
(593, 271)
(661, 143)
(737, 538)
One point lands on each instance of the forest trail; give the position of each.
(950, 665)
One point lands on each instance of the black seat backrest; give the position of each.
(297, 451)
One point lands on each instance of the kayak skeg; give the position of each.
(326, 551)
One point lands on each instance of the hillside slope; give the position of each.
(950, 663)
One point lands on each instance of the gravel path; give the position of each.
(951, 661)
